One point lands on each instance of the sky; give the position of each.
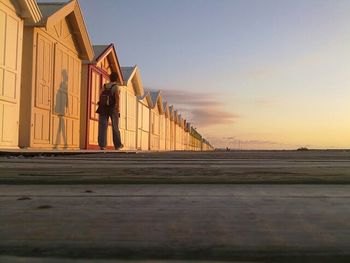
(249, 74)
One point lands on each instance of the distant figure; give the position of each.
(60, 109)
(108, 107)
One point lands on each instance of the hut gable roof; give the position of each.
(28, 10)
(181, 120)
(53, 12)
(132, 75)
(188, 127)
(99, 50)
(146, 98)
(128, 72)
(103, 51)
(157, 100)
(166, 109)
(176, 116)
(172, 113)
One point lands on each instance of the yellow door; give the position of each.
(11, 31)
(43, 90)
(93, 116)
(66, 104)
(131, 121)
(139, 125)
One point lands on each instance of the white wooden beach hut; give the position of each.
(162, 127)
(155, 124)
(172, 128)
(177, 129)
(51, 79)
(94, 75)
(144, 105)
(130, 91)
(166, 117)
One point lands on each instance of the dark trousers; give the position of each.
(102, 129)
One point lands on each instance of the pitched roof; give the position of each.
(99, 50)
(29, 11)
(49, 8)
(108, 51)
(132, 74)
(166, 109)
(154, 96)
(53, 12)
(157, 100)
(146, 96)
(127, 72)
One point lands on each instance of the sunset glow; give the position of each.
(250, 74)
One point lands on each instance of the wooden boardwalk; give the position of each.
(260, 207)
(332, 167)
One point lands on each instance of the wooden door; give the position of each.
(123, 115)
(139, 125)
(162, 131)
(130, 135)
(95, 83)
(11, 31)
(66, 103)
(145, 140)
(41, 134)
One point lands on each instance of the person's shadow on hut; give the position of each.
(61, 104)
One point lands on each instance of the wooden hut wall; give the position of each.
(128, 116)
(178, 137)
(155, 128)
(11, 34)
(143, 125)
(167, 133)
(162, 132)
(53, 74)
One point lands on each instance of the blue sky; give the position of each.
(270, 74)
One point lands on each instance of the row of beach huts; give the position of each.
(50, 77)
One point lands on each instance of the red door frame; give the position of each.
(102, 74)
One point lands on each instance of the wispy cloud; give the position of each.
(190, 98)
(237, 143)
(203, 109)
(207, 117)
(249, 142)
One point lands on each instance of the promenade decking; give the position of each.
(98, 206)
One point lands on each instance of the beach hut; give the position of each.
(206, 145)
(94, 75)
(182, 132)
(14, 14)
(155, 124)
(162, 127)
(167, 121)
(51, 78)
(189, 144)
(176, 130)
(186, 136)
(178, 133)
(196, 140)
(130, 91)
(144, 104)
(172, 128)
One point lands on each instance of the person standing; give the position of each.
(108, 107)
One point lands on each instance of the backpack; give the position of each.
(107, 98)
